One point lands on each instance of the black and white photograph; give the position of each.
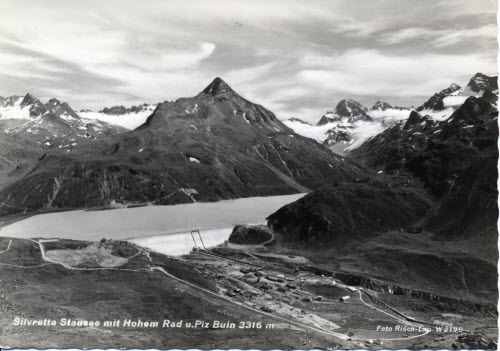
(279, 174)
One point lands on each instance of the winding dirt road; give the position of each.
(242, 305)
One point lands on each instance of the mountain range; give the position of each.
(350, 124)
(213, 146)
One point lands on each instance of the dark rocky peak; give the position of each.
(53, 103)
(336, 135)
(59, 108)
(68, 109)
(121, 110)
(29, 100)
(381, 106)
(481, 82)
(294, 119)
(36, 106)
(353, 110)
(474, 111)
(349, 108)
(415, 118)
(215, 109)
(346, 108)
(218, 87)
(451, 89)
(115, 110)
(329, 117)
(436, 101)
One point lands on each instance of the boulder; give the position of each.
(251, 235)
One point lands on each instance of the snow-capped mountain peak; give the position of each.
(347, 127)
(479, 84)
(350, 124)
(53, 124)
(353, 110)
(442, 105)
(20, 107)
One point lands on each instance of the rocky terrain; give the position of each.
(250, 235)
(247, 296)
(441, 105)
(430, 211)
(29, 129)
(122, 110)
(385, 106)
(455, 159)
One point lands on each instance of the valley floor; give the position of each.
(283, 301)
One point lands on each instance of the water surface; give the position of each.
(214, 219)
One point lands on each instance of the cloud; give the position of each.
(457, 37)
(405, 34)
(440, 37)
(373, 72)
(293, 57)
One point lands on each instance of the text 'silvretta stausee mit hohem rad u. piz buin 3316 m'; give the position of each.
(248, 175)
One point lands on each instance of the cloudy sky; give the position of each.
(295, 57)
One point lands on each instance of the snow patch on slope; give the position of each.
(395, 114)
(441, 115)
(364, 131)
(15, 111)
(317, 133)
(454, 100)
(127, 120)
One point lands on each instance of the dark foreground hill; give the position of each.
(216, 145)
(349, 212)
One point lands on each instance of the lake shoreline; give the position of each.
(147, 221)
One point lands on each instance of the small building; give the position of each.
(344, 298)
(352, 288)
